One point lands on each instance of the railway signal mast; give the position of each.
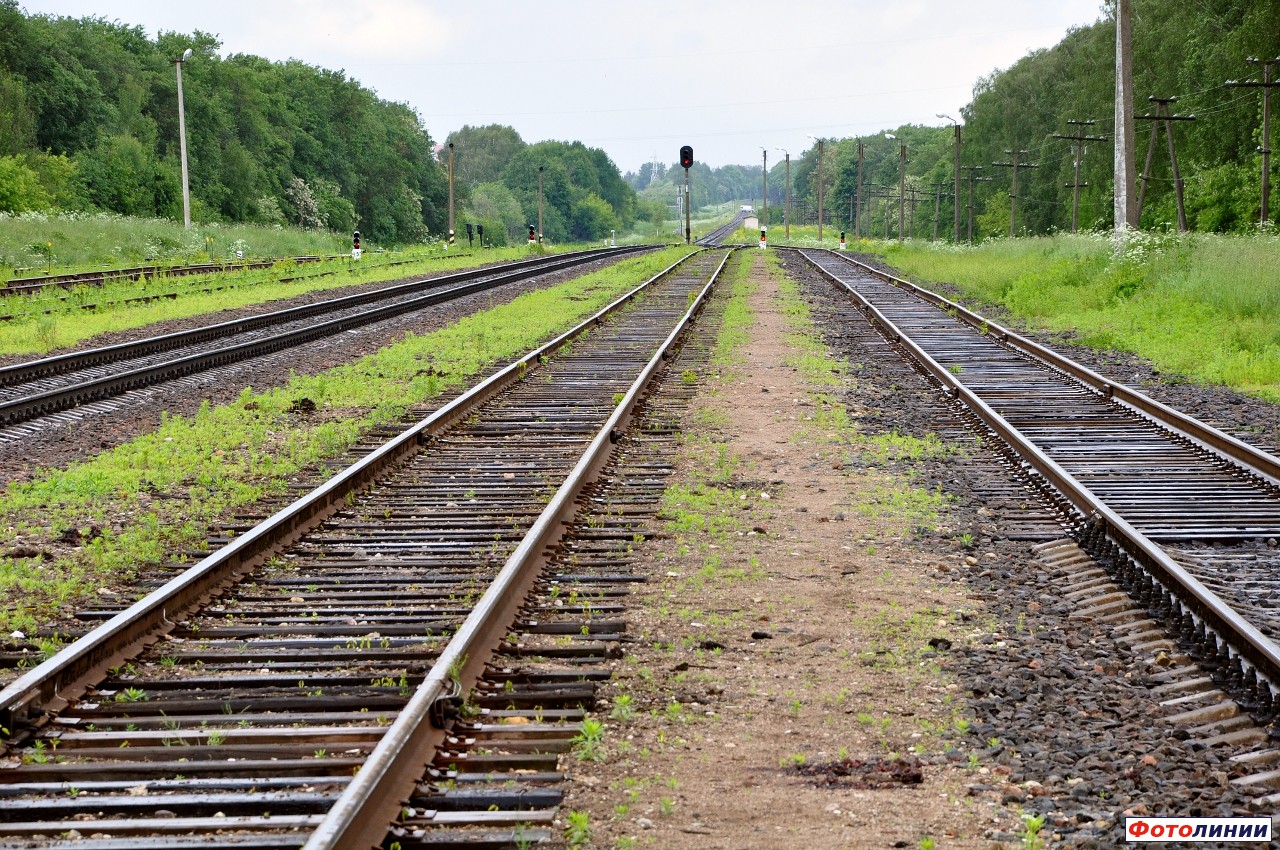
(686, 162)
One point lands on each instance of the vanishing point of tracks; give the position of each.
(40, 388)
(305, 684)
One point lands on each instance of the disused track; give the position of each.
(43, 387)
(219, 281)
(98, 277)
(716, 237)
(1174, 507)
(242, 726)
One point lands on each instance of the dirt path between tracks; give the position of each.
(787, 686)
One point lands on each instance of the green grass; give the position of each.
(138, 503)
(68, 241)
(1202, 306)
(32, 332)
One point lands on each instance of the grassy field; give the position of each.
(1202, 306)
(132, 505)
(33, 331)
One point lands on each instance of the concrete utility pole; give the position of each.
(819, 190)
(1078, 141)
(1162, 114)
(1126, 211)
(764, 204)
(1267, 84)
(451, 195)
(786, 213)
(857, 227)
(956, 174)
(902, 187)
(973, 178)
(182, 142)
(1013, 194)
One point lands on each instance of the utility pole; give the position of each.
(937, 207)
(1013, 194)
(451, 195)
(764, 211)
(1125, 210)
(911, 222)
(902, 186)
(973, 178)
(1266, 85)
(853, 213)
(955, 237)
(539, 204)
(1162, 115)
(819, 190)
(786, 213)
(857, 227)
(182, 141)
(1078, 141)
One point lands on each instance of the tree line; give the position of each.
(496, 172)
(1187, 50)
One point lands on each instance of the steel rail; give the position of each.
(67, 280)
(1253, 459)
(60, 364)
(1249, 642)
(29, 407)
(361, 815)
(50, 685)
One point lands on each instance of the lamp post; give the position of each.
(786, 213)
(182, 141)
(956, 171)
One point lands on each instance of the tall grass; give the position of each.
(1203, 306)
(33, 242)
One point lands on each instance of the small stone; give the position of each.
(296, 599)
(1150, 760)
(761, 635)
(644, 823)
(970, 560)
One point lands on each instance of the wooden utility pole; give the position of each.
(1163, 115)
(1013, 194)
(1078, 140)
(1267, 84)
(937, 207)
(539, 204)
(1126, 211)
(786, 217)
(819, 190)
(857, 226)
(973, 178)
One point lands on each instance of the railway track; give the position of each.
(334, 668)
(716, 237)
(42, 387)
(1180, 512)
(98, 277)
(72, 300)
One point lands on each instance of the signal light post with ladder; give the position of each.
(686, 162)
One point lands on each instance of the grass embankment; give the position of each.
(1202, 306)
(33, 331)
(40, 242)
(131, 506)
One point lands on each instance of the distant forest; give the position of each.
(89, 121)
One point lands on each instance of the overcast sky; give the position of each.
(638, 79)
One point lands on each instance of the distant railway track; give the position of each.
(70, 299)
(232, 706)
(717, 236)
(42, 387)
(98, 277)
(1178, 510)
